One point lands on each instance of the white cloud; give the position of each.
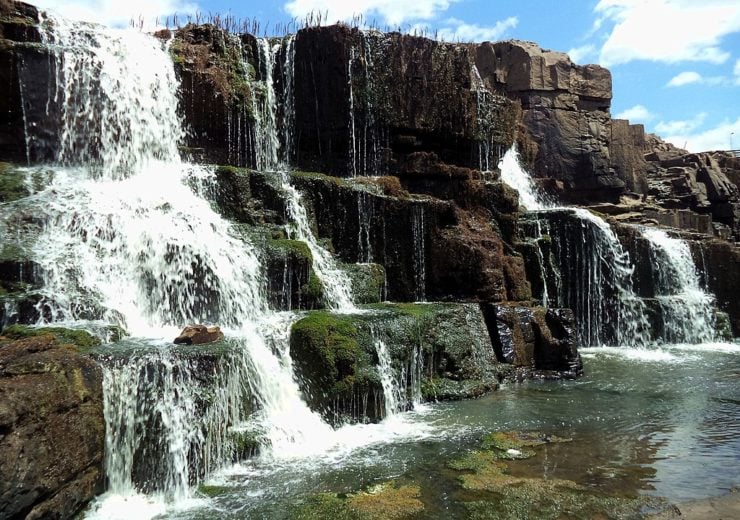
(666, 30)
(582, 53)
(683, 127)
(637, 113)
(717, 138)
(685, 78)
(392, 12)
(464, 32)
(116, 13)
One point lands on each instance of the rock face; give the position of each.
(443, 351)
(53, 395)
(430, 248)
(720, 260)
(198, 334)
(566, 127)
(535, 338)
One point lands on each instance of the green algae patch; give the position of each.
(386, 501)
(81, 339)
(492, 492)
(212, 491)
(324, 506)
(516, 445)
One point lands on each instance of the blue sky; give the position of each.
(675, 63)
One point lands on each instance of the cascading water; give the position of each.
(515, 176)
(335, 281)
(419, 236)
(582, 264)
(126, 239)
(685, 308)
(388, 381)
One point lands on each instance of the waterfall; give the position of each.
(126, 239)
(686, 309)
(336, 283)
(388, 381)
(580, 255)
(584, 260)
(419, 235)
(515, 176)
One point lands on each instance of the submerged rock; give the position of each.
(51, 429)
(198, 334)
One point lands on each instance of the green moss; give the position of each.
(230, 170)
(212, 491)
(12, 183)
(294, 248)
(367, 281)
(414, 310)
(313, 289)
(327, 350)
(299, 175)
(83, 340)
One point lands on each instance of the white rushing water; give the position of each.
(391, 394)
(128, 240)
(515, 176)
(686, 308)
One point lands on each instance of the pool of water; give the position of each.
(661, 422)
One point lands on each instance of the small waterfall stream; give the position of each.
(686, 308)
(584, 266)
(274, 156)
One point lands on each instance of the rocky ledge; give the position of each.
(50, 393)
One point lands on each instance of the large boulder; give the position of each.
(538, 339)
(51, 429)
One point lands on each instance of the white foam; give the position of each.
(650, 355)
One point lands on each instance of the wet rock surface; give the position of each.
(53, 395)
(198, 334)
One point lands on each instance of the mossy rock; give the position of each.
(83, 340)
(367, 282)
(313, 289)
(328, 354)
(315, 176)
(12, 183)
